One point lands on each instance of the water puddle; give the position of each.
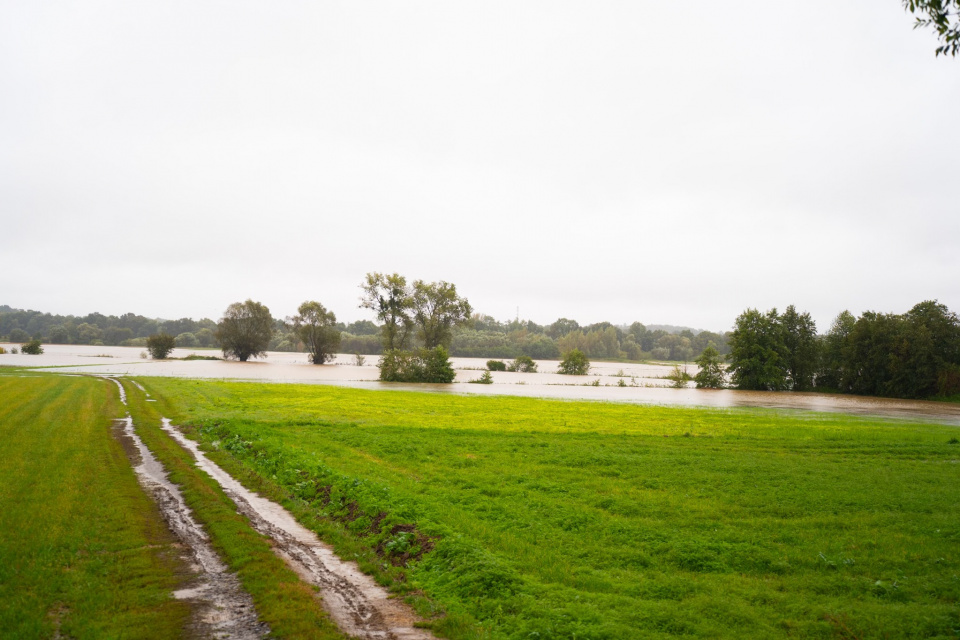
(358, 605)
(225, 609)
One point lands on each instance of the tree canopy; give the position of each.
(436, 310)
(316, 327)
(245, 330)
(388, 297)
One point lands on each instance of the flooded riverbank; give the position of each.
(643, 383)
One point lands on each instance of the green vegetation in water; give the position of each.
(523, 518)
(84, 552)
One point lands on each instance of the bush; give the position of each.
(523, 364)
(574, 363)
(711, 374)
(32, 348)
(496, 365)
(679, 376)
(160, 345)
(2, 350)
(423, 365)
(485, 378)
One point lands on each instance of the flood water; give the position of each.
(645, 384)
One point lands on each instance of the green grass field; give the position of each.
(83, 550)
(523, 518)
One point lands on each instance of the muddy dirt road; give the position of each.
(223, 608)
(358, 605)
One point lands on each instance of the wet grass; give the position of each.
(288, 605)
(552, 519)
(84, 552)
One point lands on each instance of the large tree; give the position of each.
(389, 297)
(317, 328)
(245, 330)
(437, 309)
(943, 16)
(756, 352)
(802, 353)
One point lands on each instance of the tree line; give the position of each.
(911, 355)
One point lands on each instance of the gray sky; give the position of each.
(663, 162)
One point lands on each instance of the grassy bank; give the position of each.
(84, 552)
(524, 518)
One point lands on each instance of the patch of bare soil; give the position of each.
(360, 606)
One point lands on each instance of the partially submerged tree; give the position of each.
(574, 363)
(522, 364)
(316, 327)
(32, 348)
(711, 374)
(437, 309)
(245, 330)
(388, 297)
(422, 365)
(802, 355)
(160, 345)
(757, 352)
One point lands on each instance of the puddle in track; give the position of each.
(358, 605)
(224, 609)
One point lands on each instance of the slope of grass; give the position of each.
(525, 518)
(83, 551)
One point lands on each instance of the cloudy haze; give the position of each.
(660, 162)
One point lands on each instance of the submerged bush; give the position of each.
(523, 364)
(422, 365)
(485, 378)
(574, 363)
(496, 365)
(160, 345)
(32, 348)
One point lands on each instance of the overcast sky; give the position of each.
(663, 162)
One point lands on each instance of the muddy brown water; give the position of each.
(358, 605)
(645, 384)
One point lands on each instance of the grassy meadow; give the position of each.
(507, 517)
(84, 552)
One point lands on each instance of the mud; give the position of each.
(358, 605)
(222, 608)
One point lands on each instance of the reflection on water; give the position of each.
(649, 389)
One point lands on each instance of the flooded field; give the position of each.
(644, 383)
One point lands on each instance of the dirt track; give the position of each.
(223, 609)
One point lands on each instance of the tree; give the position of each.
(245, 330)
(943, 16)
(802, 355)
(711, 374)
(389, 297)
(160, 345)
(756, 352)
(422, 365)
(436, 310)
(32, 348)
(316, 327)
(574, 363)
(832, 373)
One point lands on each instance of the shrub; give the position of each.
(359, 360)
(574, 363)
(523, 364)
(32, 348)
(160, 345)
(423, 365)
(13, 350)
(485, 378)
(496, 365)
(679, 376)
(2, 350)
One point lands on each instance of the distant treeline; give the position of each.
(910, 355)
(482, 337)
